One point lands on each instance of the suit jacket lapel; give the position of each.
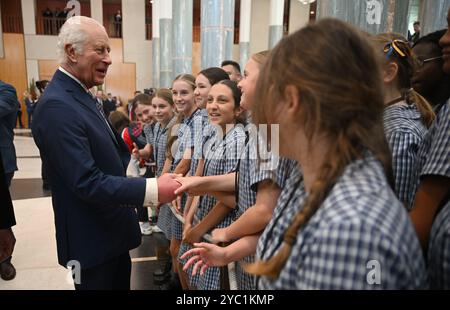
(80, 95)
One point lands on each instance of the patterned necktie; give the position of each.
(100, 107)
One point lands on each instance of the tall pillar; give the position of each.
(370, 16)
(166, 47)
(276, 22)
(182, 36)
(401, 15)
(97, 10)
(155, 44)
(244, 32)
(433, 15)
(29, 30)
(217, 32)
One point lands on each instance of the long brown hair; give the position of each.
(340, 90)
(406, 63)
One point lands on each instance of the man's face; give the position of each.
(416, 28)
(445, 44)
(92, 65)
(233, 73)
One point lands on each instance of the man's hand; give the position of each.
(7, 242)
(167, 184)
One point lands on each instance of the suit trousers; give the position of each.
(112, 275)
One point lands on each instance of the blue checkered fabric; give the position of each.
(439, 251)
(221, 156)
(189, 129)
(148, 132)
(360, 223)
(251, 172)
(165, 218)
(160, 144)
(435, 160)
(433, 156)
(404, 132)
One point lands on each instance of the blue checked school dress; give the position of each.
(359, 231)
(188, 130)
(221, 157)
(159, 153)
(251, 172)
(436, 161)
(404, 132)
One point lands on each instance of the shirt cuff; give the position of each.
(151, 192)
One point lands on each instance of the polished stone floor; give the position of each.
(35, 253)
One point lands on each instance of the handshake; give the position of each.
(167, 185)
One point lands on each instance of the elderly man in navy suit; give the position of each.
(93, 201)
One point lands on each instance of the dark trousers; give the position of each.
(112, 275)
(142, 214)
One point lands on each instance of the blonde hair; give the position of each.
(406, 64)
(340, 90)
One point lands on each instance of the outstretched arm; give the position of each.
(206, 255)
(432, 190)
(254, 218)
(212, 219)
(199, 186)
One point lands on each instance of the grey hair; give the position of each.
(74, 32)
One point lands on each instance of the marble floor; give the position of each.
(35, 253)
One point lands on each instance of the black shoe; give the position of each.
(165, 278)
(162, 272)
(7, 271)
(173, 285)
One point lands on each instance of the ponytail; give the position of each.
(425, 109)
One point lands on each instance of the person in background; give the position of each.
(30, 102)
(407, 115)
(429, 78)
(431, 211)
(416, 35)
(233, 69)
(9, 105)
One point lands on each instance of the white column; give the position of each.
(299, 14)
(182, 36)
(217, 31)
(244, 32)
(371, 16)
(97, 10)
(165, 32)
(29, 30)
(28, 17)
(276, 22)
(433, 15)
(155, 44)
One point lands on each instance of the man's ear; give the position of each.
(390, 73)
(70, 52)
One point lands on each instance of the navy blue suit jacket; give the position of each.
(92, 198)
(9, 105)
